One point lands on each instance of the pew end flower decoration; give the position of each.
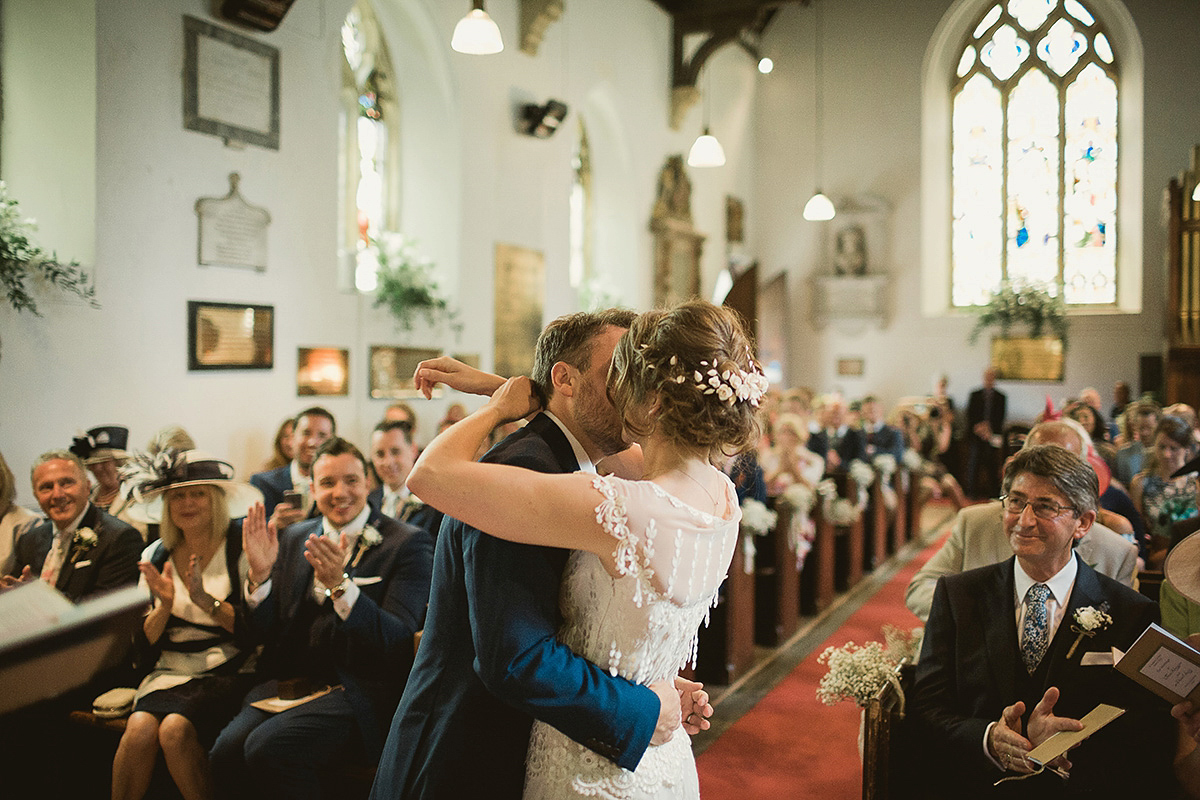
(858, 672)
(1088, 621)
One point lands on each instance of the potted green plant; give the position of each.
(22, 260)
(1042, 312)
(406, 286)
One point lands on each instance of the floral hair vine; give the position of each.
(729, 385)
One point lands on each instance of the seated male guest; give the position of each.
(836, 441)
(312, 427)
(881, 438)
(980, 537)
(334, 600)
(392, 455)
(1000, 671)
(80, 549)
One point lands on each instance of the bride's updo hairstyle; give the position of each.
(695, 360)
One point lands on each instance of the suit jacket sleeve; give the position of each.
(948, 560)
(118, 567)
(955, 737)
(513, 590)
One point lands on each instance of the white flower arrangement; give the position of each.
(885, 465)
(912, 460)
(843, 512)
(366, 540)
(1089, 621)
(861, 473)
(857, 672)
(731, 385)
(756, 517)
(800, 496)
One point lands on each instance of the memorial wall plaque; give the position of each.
(233, 233)
(230, 85)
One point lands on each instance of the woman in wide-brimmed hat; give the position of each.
(102, 450)
(194, 573)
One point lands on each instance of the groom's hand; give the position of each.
(693, 705)
(669, 716)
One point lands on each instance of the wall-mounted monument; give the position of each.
(677, 243)
(233, 233)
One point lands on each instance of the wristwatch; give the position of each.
(216, 605)
(335, 592)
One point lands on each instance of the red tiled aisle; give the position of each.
(790, 745)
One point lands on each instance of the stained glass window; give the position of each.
(369, 140)
(1034, 154)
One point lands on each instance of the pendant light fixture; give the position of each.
(819, 207)
(706, 150)
(476, 34)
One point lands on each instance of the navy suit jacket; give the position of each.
(490, 662)
(422, 515)
(853, 445)
(968, 673)
(371, 651)
(272, 484)
(110, 564)
(887, 440)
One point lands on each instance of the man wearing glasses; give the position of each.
(979, 536)
(999, 671)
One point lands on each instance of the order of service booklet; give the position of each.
(1164, 664)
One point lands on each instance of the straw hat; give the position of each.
(1182, 568)
(146, 478)
(101, 444)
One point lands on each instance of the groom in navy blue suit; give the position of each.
(489, 662)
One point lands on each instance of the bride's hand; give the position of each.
(514, 400)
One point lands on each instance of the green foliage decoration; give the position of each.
(406, 286)
(23, 260)
(1043, 312)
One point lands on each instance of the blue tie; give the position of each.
(1035, 633)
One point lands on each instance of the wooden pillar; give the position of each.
(901, 483)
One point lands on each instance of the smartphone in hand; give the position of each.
(292, 498)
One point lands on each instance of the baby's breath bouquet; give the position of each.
(857, 672)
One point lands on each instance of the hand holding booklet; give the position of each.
(1164, 664)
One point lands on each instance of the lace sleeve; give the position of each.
(613, 516)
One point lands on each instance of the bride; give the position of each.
(650, 554)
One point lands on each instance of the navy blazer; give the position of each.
(273, 484)
(371, 651)
(887, 440)
(968, 673)
(490, 662)
(422, 515)
(110, 564)
(852, 446)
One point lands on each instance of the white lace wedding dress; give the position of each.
(642, 626)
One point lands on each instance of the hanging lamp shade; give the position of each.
(477, 34)
(818, 208)
(706, 151)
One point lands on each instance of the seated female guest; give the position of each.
(14, 520)
(1161, 499)
(789, 461)
(195, 573)
(283, 451)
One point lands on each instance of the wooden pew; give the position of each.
(882, 764)
(725, 650)
(901, 482)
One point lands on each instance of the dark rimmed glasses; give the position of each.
(1042, 509)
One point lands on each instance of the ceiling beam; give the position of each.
(724, 22)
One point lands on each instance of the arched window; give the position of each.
(580, 204)
(369, 166)
(1034, 160)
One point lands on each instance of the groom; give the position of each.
(489, 661)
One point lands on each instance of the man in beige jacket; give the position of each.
(978, 538)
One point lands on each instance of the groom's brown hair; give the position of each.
(569, 339)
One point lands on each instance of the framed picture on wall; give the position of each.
(230, 85)
(851, 367)
(322, 371)
(391, 371)
(230, 336)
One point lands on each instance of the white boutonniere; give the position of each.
(85, 539)
(366, 540)
(1088, 622)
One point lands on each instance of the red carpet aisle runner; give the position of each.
(790, 745)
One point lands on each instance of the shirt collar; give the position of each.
(1060, 585)
(585, 463)
(352, 529)
(299, 482)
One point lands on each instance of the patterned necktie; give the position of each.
(1035, 633)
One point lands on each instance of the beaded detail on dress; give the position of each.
(642, 625)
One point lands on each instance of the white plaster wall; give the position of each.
(469, 181)
(872, 69)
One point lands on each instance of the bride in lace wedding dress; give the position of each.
(650, 554)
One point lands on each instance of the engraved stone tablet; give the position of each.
(233, 233)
